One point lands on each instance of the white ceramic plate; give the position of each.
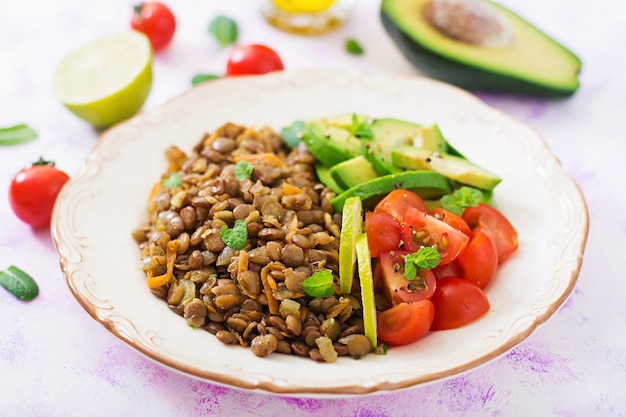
(106, 200)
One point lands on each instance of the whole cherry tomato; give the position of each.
(156, 21)
(34, 190)
(457, 302)
(253, 60)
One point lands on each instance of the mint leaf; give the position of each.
(19, 283)
(292, 134)
(461, 199)
(224, 29)
(237, 237)
(173, 181)
(16, 135)
(424, 258)
(200, 78)
(319, 285)
(243, 170)
(359, 129)
(353, 47)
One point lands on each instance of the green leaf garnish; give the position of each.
(16, 135)
(173, 181)
(461, 199)
(243, 170)
(353, 47)
(319, 285)
(292, 134)
(224, 29)
(237, 237)
(19, 283)
(200, 78)
(424, 258)
(359, 129)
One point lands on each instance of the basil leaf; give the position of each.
(424, 258)
(19, 283)
(16, 135)
(292, 134)
(461, 199)
(200, 78)
(173, 181)
(237, 237)
(319, 285)
(353, 47)
(224, 29)
(243, 170)
(360, 130)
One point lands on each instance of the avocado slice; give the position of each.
(330, 144)
(426, 184)
(519, 58)
(323, 174)
(353, 172)
(453, 167)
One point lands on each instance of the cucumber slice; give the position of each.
(351, 227)
(366, 280)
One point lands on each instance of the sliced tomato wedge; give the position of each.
(405, 323)
(421, 229)
(451, 269)
(457, 302)
(383, 233)
(452, 219)
(496, 225)
(479, 260)
(397, 201)
(396, 287)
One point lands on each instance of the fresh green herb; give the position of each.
(200, 78)
(353, 47)
(320, 284)
(292, 134)
(381, 349)
(461, 199)
(360, 129)
(173, 181)
(243, 170)
(237, 237)
(19, 283)
(15, 135)
(224, 29)
(424, 258)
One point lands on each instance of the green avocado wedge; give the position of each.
(532, 63)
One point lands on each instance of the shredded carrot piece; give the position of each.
(262, 158)
(171, 248)
(272, 302)
(289, 189)
(156, 189)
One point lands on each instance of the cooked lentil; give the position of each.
(251, 296)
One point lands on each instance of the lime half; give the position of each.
(366, 280)
(303, 6)
(106, 80)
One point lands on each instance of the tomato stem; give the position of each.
(43, 162)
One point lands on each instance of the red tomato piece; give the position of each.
(457, 302)
(479, 260)
(34, 190)
(452, 219)
(156, 21)
(383, 233)
(496, 225)
(421, 229)
(405, 323)
(396, 202)
(253, 60)
(451, 269)
(396, 287)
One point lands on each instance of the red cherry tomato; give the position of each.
(452, 219)
(479, 260)
(405, 323)
(496, 225)
(396, 202)
(156, 21)
(457, 302)
(34, 190)
(421, 229)
(383, 233)
(253, 60)
(396, 287)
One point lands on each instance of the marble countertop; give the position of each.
(55, 360)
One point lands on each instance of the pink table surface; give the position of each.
(56, 361)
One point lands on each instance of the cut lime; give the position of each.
(366, 280)
(107, 80)
(303, 6)
(351, 227)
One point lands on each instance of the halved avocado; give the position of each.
(531, 63)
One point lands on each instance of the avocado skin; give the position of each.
(462, 75)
